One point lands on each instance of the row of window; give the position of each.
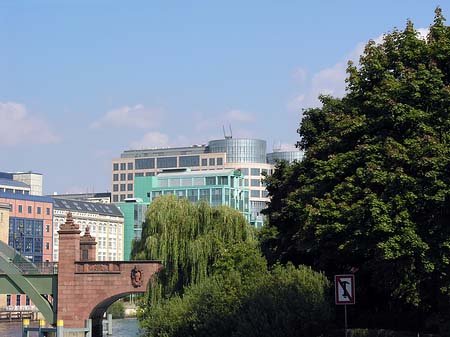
(167, 162)
(253, 171)
(123, 166)
(14, 191)
(8, 300)
(122, 197)
(30, 210)
(123, 187)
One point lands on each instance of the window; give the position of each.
(204, 162)
(245, 182)
(8, 300)
(115, 177)
(129, 195)
(144, 163)
(216, 198)
(256, 172)
(115, 187)
(123, 166)
(204, 194)
(115, 198)
(47, 246)
(192, 195)
(17, 299)
(30, 209)
(186, 182)
(212, 161)
(129, 187)
(130, 176)
(130, 166)
(116, 167)
(122, 197)
(166, 162)
(47, 211)
(219, 161)
(20, 208)
(223, 181)
(255, 194)
(149, 174)
(210, 180)
(47, 228)
(264, 194)
(140, 174)
(188, 161)
(123, 176)
(27, 300)
(244, 171)
(123, 187)
(38, 210)
(255, 182)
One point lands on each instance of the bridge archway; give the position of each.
(99, 310)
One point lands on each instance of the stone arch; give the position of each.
(99, 310)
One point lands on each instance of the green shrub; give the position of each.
(117, 310)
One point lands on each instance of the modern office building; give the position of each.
(289, 156)
(105, 222)
(216, 187)
(134, 210)
(247, 155)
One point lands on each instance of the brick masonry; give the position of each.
(87, 288)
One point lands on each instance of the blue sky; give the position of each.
(81, 81)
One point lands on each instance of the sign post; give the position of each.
(344, 291)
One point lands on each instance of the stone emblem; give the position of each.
(136, 277)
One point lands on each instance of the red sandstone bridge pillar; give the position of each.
(87, 288)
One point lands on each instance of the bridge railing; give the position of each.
(38, 268)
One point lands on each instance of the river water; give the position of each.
(121, 328)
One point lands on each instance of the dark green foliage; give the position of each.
(243, 298)
(117, 310)
(373, 192)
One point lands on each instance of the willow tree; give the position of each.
(188, 238)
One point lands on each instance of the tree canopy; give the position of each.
(188, 238)
(372, 193)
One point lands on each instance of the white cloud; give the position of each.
(331, 80)
(240, 116)
(17, 126)
(150, 140)
(137, 116)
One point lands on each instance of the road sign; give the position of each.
(344, 286)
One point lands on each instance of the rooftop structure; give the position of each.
(102, 197)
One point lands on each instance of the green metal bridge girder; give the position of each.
(34, 285)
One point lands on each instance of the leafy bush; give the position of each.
(243, 299)
(117, 309)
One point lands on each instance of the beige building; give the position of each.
(105, 221)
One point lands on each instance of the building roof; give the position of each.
(196, 173)
(162, 152)
(14, 196)
(13, 183)
(81, 196)
(86, 206)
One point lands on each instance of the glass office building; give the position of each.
(134, 211)
(289, 156)
(240, 150)
(218, 187)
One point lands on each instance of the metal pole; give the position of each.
(59, 328)
(345, 319)
(25, 326)
(89, 327)
(110, 324)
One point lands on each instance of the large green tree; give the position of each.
(372, 193)
(188, 238)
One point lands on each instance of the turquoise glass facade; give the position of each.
(134, 211)
(219, 187)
